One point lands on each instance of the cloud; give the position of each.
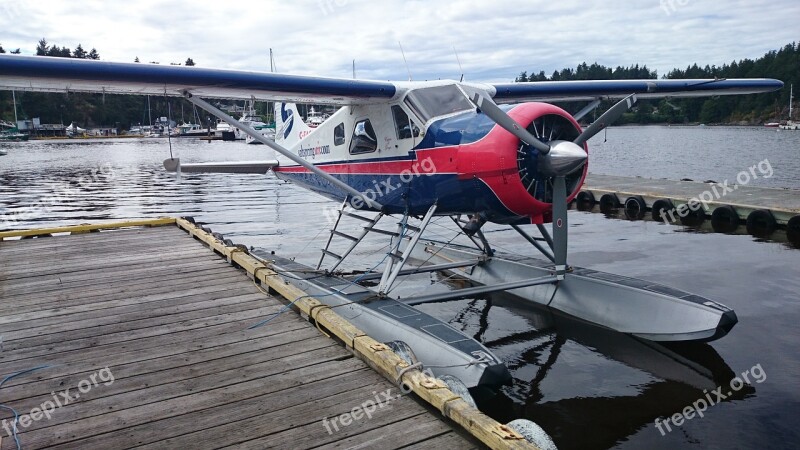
(494, 40)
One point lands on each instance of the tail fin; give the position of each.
(289, 126)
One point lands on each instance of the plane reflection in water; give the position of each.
(588, 386)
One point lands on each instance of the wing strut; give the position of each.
(280, 149)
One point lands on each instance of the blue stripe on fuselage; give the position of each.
(396, 193)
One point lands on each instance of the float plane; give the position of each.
(473, 152)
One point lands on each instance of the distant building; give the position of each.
(35, 128)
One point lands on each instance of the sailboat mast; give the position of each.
(14, 97)
(791, 97)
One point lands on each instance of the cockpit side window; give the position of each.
(338, 134)
(364, 139)
(404, 126)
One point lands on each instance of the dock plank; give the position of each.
(170, 320)
(409, 431)
(193, 278)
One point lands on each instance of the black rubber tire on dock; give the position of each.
(793, 230)
(725, 219)
(662, 204)
(609, 202)
(585, 201)
(693, 218)
(761, 222)
(793, 225)
(586, 197)
(635, 207)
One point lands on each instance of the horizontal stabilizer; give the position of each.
(262, 167)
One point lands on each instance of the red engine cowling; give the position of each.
(509, 167)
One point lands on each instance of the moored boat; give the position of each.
(13, 135)
(790, 124)
(194, 130)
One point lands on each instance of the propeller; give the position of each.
(607, 118)
(490, 108)
(557, 159)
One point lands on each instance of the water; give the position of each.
(698, 152)
(589, 388)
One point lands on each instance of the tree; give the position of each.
(62, 52)
(538, 77)
(136, 60)
(189, 62)
(42, 48)
(93, 54)
(79, 52)
(1, 49)
(15, 52)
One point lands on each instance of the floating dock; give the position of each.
(139, 335)
(727, 203)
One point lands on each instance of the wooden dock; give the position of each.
(783, 204)
(146, 331)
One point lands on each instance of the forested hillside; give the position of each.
(783, 64)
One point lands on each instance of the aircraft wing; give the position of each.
(553, 91)
(50, 74)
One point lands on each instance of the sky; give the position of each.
(494, 40)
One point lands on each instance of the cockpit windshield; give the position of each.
(431, 102)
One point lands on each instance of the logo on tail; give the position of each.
(289, 127)
(288, 120)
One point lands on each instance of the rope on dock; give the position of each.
(14, 411)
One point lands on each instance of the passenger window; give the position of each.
(405, 128)
(338, 134)
(364, 140)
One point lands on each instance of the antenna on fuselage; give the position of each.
(459, 64)
(272, 66)
(404, 60)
